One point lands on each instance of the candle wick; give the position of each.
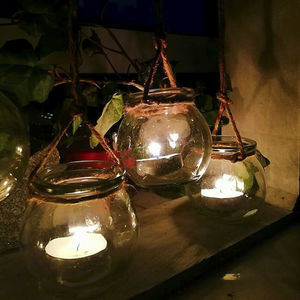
(78, 246)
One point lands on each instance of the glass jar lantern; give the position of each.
(14, 146)
(164, 140)
(232, 191)
(79, 225)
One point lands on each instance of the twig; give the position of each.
(112, 50)
(102, 142)
(50, 148)
(122, 49)
(111, 64)
(99, 44)
(138, 86)
(74, 52)
(94, 83)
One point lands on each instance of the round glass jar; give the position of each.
(232, 191)
(79, 225)
(165, 140)
(14, 146)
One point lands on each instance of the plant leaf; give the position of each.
(111, 114)
(262, 159)
(89, 48)
(210, 117)
(76, 123)
(25, 83)
(18, 52)
(37, 7)
(224, 120)
(91, 94)
(52, 42)
(38, 23)
(92, 45)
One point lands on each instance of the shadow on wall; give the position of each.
(268, 64)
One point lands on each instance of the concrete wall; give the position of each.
(263, 60)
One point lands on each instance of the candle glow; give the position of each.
(225, 187)
(81, 244)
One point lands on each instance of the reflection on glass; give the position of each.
(81, 230)
(14, 146)
(164, 142)
(229, 190)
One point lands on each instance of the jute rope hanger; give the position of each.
(160, 46)
(222, 95)
(50, 148)
(78, 100)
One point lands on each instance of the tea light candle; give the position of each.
(225, 187)
(216, 193)
(76, 246)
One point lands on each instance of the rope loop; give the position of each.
(223, 97)
(222, 94)
(159, 43)
(160, 46)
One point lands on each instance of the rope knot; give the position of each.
(159, 43)
(222, 97)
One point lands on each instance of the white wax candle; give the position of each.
(76, 246)
(217, 193)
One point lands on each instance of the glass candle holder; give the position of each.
(165, 140)
(232, 191)
(79, 225)
(14, 146)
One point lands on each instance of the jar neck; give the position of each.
(225, 146)
(161, 96)
(77, 181)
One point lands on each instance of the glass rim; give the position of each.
(227, 144)
(78, 179)
(164, 95)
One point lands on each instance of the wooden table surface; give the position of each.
(175, 245)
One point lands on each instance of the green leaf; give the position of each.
(38, 7)
(90, 48)
(92, 45)
(76, 123)
(210, 117)
(41, 83)
(224, 120)
(262, 159)
(52, 42)
(30, 24)
(91, 94)
(63, 113)
(26, 83)
(37, 24)
(18, 52)
(108, 91)
(111, 114)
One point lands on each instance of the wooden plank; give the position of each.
(173, 238)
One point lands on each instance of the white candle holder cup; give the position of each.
(80, 226)
(230, 191)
